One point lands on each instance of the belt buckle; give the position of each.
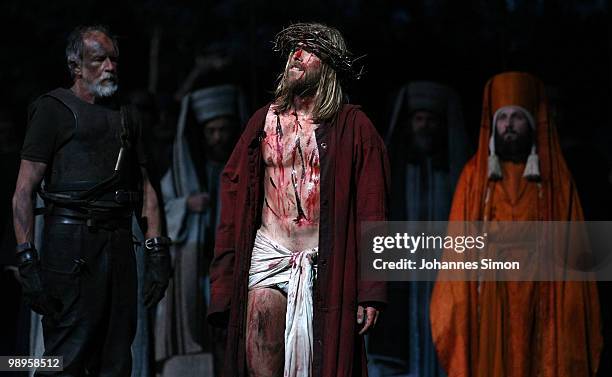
(91, 222)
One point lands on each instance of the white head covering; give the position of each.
(216, 101)
(532, 168)
(207, 103)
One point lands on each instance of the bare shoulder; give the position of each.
(270, 119)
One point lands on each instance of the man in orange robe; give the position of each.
(490, 329)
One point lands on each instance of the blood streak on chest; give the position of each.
(298, 183)
(291, 198)
(274, 151)
(279, 149)
(312, 184)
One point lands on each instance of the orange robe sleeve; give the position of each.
(579, 348)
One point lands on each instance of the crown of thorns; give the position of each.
(315, 39)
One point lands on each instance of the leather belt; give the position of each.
(125, 223)
(113, 219)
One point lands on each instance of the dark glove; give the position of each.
(157, 269)
(31, 282)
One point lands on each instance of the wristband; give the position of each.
(27, 256)
(156, 242)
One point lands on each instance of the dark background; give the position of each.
(460, 43)
(568, 44)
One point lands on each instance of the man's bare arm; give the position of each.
(30, 175)
(150, 209)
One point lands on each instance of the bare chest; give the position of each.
(292, 179)
(290, 141)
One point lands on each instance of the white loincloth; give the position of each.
(294, 272)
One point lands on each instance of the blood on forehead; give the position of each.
(304, 47)
(307, 57)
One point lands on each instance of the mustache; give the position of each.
(297, 65)
(108, 76)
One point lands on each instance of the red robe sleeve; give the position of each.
(222, 265)
(372, 181)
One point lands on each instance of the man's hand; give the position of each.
(371, 316)
(157, 270)
(198, 202)
(31, 284)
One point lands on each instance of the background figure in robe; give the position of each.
(518, 174)
(143, 103)
(208, 126)
(427, 117)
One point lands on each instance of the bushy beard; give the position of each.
(516, 150)
(104, 87)
(303, 86)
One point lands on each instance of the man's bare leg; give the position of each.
(265, 333)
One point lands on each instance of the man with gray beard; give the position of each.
(88, 152)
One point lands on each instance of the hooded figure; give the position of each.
(429, 177)
(493, 328)
(190, 190)
(427, 116)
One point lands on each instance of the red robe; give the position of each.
(354, 188)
